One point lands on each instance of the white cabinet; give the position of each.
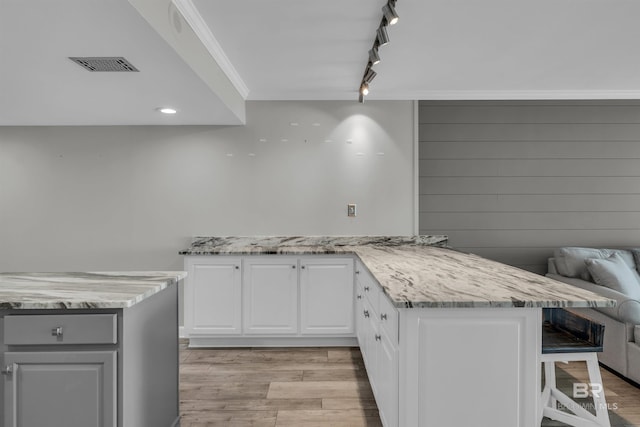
(326, 296)
(269, 300)
(214, 295)
(377, 332)
(270, 304)
(60, 389)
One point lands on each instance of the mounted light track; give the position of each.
(389, 17)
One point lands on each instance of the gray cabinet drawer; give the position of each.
(60, 329)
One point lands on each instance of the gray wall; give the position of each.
(126, 198)
(513, 180)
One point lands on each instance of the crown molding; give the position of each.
(493, 95)
(203, 32)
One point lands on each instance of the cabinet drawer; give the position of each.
(60, 329)
(370, 288)
(389, 318)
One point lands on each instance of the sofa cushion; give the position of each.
(637, 334)
(614, 273)
(570, 261)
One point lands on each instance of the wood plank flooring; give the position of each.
(309, 387)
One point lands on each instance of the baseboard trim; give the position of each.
(195, 342)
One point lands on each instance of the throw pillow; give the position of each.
(614, 273)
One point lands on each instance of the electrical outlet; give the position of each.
(351, 209)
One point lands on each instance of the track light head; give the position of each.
(361, 99)
(369, 75)
(374, 58)
(382, 37)
(390, 13)
(364, 89)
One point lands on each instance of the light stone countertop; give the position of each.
(419, 271)
(299, 245)
(82, 290)
(414, 277)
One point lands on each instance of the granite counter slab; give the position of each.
(419, 271)
(82, 290)
(421, 277)
(300, 245)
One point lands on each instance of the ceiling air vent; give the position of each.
(109, 64)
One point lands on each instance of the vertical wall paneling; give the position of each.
(514, 180)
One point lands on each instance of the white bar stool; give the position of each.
(567, 337)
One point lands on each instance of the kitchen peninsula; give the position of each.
(89, 349)
(449, 339)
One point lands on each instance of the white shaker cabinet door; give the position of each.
(60, 389)
(270, 300)
(213, 296)
(326, 296)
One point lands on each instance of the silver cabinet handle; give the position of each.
(57, 331)
(237, 267)
(293, 266)
(366, 289)
(357, 271)
(302, 267)
(383, 317)
(366, 313)
(359, 297)
(378, 337)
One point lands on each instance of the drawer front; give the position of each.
(60, 329)
(388, 316)
(370, 288)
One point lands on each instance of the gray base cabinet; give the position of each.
(93, 367)
(61, 389)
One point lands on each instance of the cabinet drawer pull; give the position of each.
(357, 271)
(366, 313)
(383, 316)
(57, 331)
(359, 297)
(237, 267)
(366, 289)
(378, 337)
(302, 267)
(293, 266)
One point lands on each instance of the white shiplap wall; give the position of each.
(514, 180)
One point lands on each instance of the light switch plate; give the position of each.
(351, 209)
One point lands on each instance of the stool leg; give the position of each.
(550, 381)
(599, 400)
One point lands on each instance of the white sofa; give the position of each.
(612, 273)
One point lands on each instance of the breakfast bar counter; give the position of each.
(449, 339)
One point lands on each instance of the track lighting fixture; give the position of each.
(390, 13)
(389, 17)
(382, 36)
(369, 75)
(374, 58)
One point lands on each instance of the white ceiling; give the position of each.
(205, 57)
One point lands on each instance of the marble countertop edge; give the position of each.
(82, 290)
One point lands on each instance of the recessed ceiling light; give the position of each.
(167, 110)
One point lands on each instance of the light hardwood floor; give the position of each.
(309, 387)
